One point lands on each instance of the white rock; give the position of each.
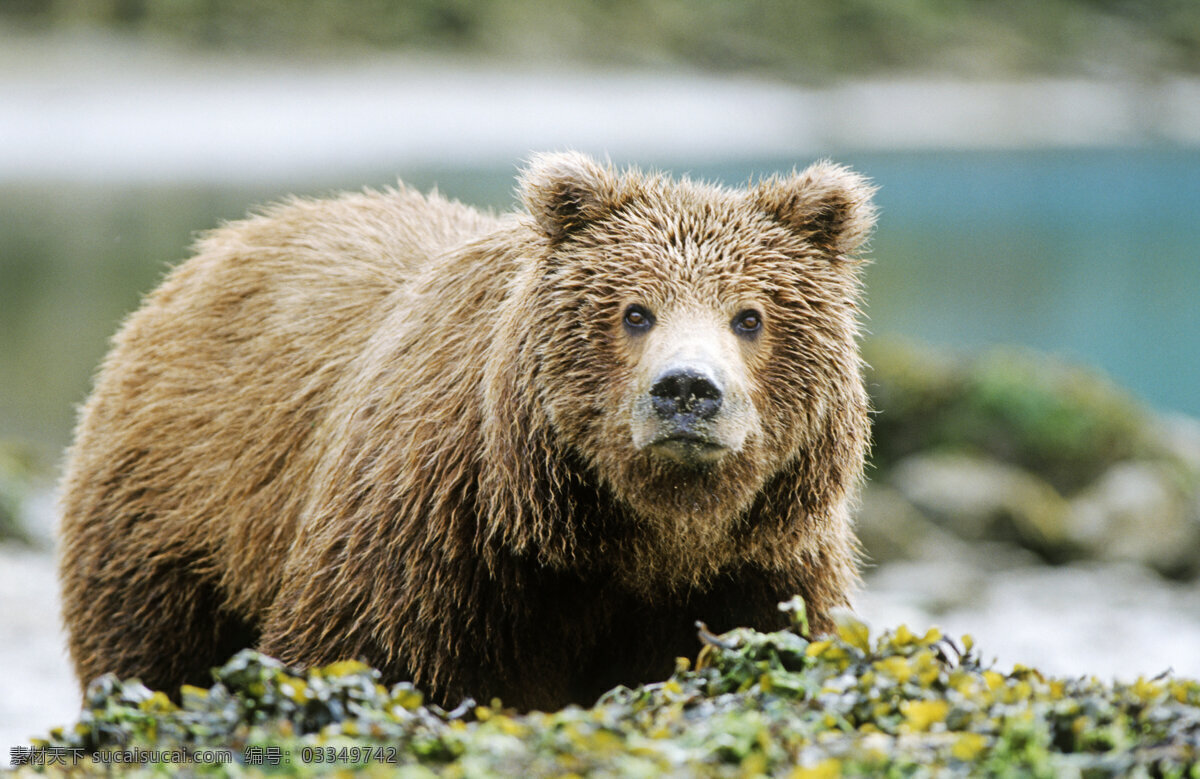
(980, 498)
(1103, 619)
(1141, 512)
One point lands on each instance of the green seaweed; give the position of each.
(849, 704)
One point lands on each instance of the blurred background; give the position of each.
(1034, 326)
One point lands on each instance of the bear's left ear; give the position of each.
(565, 191)
(829, 205)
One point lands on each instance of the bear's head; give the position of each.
(691, 349)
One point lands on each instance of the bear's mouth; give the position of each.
(688, 448)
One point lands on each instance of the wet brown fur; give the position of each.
(389, 427)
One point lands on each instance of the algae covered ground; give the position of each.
(897, 704)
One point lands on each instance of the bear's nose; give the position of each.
(685, 391)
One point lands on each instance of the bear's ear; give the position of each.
(829, 205)
(566, 190)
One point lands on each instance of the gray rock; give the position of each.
(890, 529)
(981, 499)
(1142, 512)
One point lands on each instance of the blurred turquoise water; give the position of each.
(1092, 255)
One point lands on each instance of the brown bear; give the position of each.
(513, 456)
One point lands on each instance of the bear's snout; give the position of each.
(682, 415)
(680, 393)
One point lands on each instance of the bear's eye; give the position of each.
(748, 322)
(638, 319)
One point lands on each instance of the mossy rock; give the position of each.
(1060, 421)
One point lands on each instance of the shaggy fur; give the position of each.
(389, 427)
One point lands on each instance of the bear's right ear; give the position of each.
(566, 190)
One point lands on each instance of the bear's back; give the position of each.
(369, 237)
(208, 399)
